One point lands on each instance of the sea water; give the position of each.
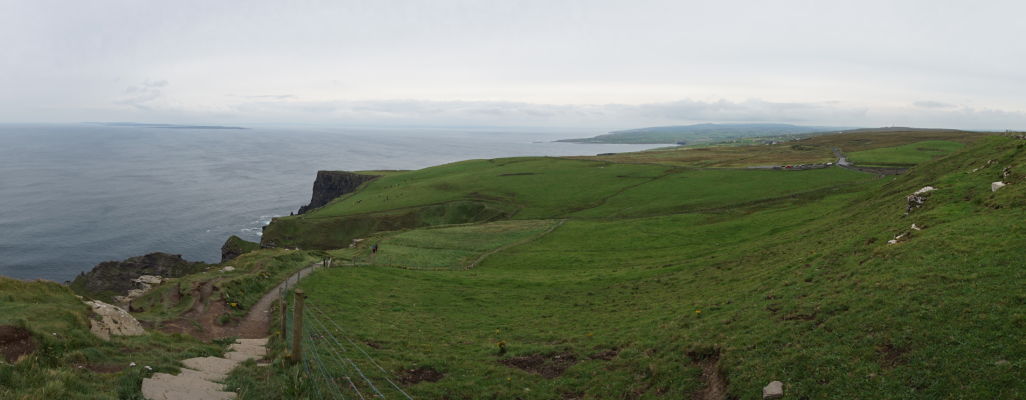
(74, 195)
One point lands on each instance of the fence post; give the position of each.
(283, 307)
(297, 327)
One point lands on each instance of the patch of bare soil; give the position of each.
(15, 342)
(715, 380)
(201, 320)
(890, 356)
(548, 366)
(605, 355)
(103, 368)
(420, 374)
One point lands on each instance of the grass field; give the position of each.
(810, 150)
(908, 154)
(786, 276)
(456, 247)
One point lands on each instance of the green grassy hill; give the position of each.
(627, 277)
(654, 281)
(701, 133)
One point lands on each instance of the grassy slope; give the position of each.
(255, 273)
(815, 149)
(801, 289)
(63, 365)
(908, 154)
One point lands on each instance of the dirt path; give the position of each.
(258, 321)
(202, 323)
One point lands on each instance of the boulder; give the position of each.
(113, 321)
(228, 268)
(918, 198)
(774, 390)
(997, 185)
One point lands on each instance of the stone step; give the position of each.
(199, 380)
(153, 389)
(252, 342)
(213, 365)
(194, 381)
(257, 351)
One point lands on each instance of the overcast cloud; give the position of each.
(590, 64)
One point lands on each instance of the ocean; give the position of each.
(74, 195)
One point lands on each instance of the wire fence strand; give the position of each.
(351, 363)
(341, 332)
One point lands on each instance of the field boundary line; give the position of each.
(517, 243)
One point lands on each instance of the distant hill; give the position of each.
(700, 133)
(163, 126)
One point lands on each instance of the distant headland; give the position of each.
(163, 126)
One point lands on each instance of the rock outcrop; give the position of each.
(117, 278)
(143, 284)
(332, 184)
(113, 321)
(236, 246)
(918, 198)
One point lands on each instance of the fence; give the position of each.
(335, 366)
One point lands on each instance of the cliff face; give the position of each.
(236, 246)
(113, 278)
(332, 184)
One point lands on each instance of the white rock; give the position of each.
(114, 321)
(774, 390)
(916, 228)
(892, 241)
(925, 189)
(149, 279)
(228, 269)
(997, 185)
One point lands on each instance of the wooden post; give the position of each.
(283, 309)
(297, 328)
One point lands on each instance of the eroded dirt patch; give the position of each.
(103, 368)
(715, 380)
(605, 355)
(548, 366)
(890, 355)
(15, 342)
(420, 374)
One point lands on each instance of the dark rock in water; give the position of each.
(114, 278)
(236, 246)
(332, 184)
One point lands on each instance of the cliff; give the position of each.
(332, 184)
(236, 246)
(114, 278)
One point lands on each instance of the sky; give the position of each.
(597, 65)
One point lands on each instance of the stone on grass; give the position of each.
(114, 321)
(228, 269)
(997, 185)
(774, 390)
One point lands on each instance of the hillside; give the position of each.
(625, 276)
(701, 133)
(612, 280)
